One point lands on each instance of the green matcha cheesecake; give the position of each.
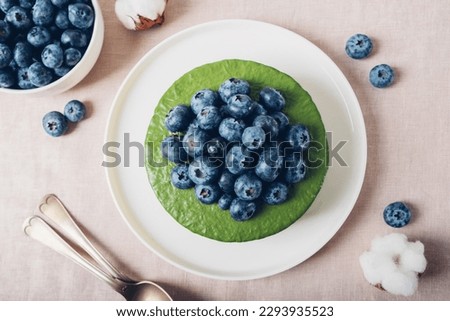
(209, 220)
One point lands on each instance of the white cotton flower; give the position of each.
(393, 263)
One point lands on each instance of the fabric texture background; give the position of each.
(408, 153)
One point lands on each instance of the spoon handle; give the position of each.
(55, 210)
(36, 228)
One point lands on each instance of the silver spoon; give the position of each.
(38, 229)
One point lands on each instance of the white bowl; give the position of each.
(77, 73)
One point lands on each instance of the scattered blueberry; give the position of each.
(248, 187)
(242, 210)
(178, 118)
(269, 165)
(381, 76)
(358, 46)
(43, 12)
(39, 75)
(276, 193)
(52, 56)
(257, 110)
(173, 150)
(233, 86)
(180, 177)
(397, 214)
(203, 98)
(225, 201)
(271, 99)
(226, 181)
(62, 71)
(6, 56)
(75, 111)
(207, 193)
(81, 15)
(54, 123)
(269, 125)
(194, 142)
(295, 168)
(239, 159)
(216, 147)
(23, 80)
(231, 129)
(253, 137)
(281, 119)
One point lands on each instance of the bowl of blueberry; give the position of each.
(48, 46)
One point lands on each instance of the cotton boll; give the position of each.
(417, 247)
(412, 261)
(400, 283)
(375, 266)
(391, 244)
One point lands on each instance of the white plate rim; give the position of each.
(357, 119)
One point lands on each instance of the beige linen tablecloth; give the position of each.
(408, 156)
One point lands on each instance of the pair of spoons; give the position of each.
(74, 240)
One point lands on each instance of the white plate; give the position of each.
(270, 45)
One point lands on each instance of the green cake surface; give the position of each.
(209, 220)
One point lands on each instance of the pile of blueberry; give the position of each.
(42, 40)
(235, 151)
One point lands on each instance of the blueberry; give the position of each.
(81, 15)
(62, 71)
(271, 99)
(5, 5)
(172, 149)
(54, 123)
(233, 86)
(298, 137)
(216, 147)
(52, 56)
(209, 118)
(269, 165)
(397, 214)
(62, 19)
(358, 46)
(207, 193)
(178, 118)
(6, 78)
(180, 177)
(27, 4)
(203, 171)
(253, 137)
(269, 125)
(239, 159)
(74, 38)
(248, 187)
(203, 98)
(23, 54)
(257, 110)
(19, 18)
(60, 3)
(226, 181)
(294, 168)
(43, 12)
(242, 210)
(5, 30)
(72, 56)
(225, 201)
(39, 75)
(281, 119)
(276, 193)
(6, 56)
(240, 106)
(231, 129)
(381, 76)
(39, 36)
(75, 111)
(194, 142)
(23, 80)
